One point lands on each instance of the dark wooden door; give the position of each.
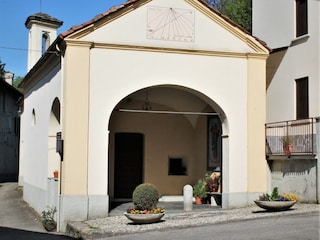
(128, 164)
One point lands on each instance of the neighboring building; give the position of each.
(293, 91)
(151, 91)
(10, 99)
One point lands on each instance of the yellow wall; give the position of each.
(165, 135)
(257, 167)
(75, 111)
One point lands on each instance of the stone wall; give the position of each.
(296, 176)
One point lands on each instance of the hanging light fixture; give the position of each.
(146, 105)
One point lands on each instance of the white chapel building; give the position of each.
(158, 91)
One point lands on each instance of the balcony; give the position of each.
(291, 139)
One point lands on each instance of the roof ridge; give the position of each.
(96, 18)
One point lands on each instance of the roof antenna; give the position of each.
(40, 5)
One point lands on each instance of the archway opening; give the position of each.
(54, 127)
(181, 131)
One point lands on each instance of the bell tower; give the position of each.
(42, 32)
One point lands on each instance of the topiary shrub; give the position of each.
(145, 196)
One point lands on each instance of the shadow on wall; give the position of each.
(296, 176)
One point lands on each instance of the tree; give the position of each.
(239, 11)
(16, 83)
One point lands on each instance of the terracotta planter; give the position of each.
(275, 205)
(198, 200)
(287, 149)
(55, 174)
(144, 218)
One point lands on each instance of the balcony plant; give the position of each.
(145, 199)
(287, 143)
(276, 201)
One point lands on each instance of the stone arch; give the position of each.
(54, 127)
(167, 135)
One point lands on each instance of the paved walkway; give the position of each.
(175, 217)
(18, 221)
(16, 214)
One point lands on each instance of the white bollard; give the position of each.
(187, 197)
(213, 201)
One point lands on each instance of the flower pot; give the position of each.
(55, 174)
(198, 200)
(144, 218)
(287, 149)
(275, 205)
(50, 226)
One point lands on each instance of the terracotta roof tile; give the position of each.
(96, 18)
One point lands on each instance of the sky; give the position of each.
(14, 34)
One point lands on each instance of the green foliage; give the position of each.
(287, 140)
(199, 189)
(239, 11)
(264, 197)
(274, 194)
(273, 197)
(48, 216)
(145, 196)
(16, 83)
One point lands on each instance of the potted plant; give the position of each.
(199, 191)
(212, 182)
(47, 219)
(145, 198)
(213, 187)
(287, 142)
(55, 174)
(276, 201)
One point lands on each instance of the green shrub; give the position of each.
(275, 194)
(145, 196)
(199, 189)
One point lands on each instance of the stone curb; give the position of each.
(120, 225)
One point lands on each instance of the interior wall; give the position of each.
(165, 135)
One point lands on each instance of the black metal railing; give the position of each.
(297, 137)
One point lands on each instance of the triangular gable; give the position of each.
(128, 24)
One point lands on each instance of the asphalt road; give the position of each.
(17, 234)
(296, 227)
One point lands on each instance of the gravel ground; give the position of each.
(118, 224)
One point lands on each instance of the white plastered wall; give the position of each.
(145, 72)
(33, 172)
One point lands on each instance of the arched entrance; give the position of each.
(54, 127)
(178, 137)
